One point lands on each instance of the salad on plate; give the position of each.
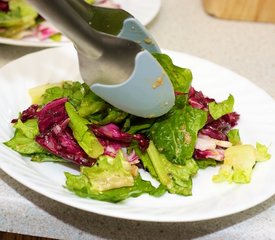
(68, 123)
(18, 20)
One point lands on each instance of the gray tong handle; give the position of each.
(64, 17)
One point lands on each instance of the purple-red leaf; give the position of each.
(57, 137)
(113, 138)
(218, 128)
(197, 100)
(4, 6)
(64, 145)
(30, 112)
(51, 114)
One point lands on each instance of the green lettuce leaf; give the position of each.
(110, 180)
(21, 16)
(239, 161)
(181, 78)
(83, 135)
(176, 133)
(204, 163)
(217, 110)
(80, 185)
(262, 152)
(109, 173)
(23, 140)
(91, 103)
(46, 157)
(146, 162)
(74, 91)
(176, 178)
(234, 137)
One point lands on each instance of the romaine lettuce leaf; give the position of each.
(46, 157)
(85, 138)
(176, 178)
(234, 137)
(217, 110)
(262, 152)
(109, 173)
(204, 163)
(176, 133)
(239, 161)
(80, 185)
(23, 140)
(181, 78)
(74, 91)
(111, 179)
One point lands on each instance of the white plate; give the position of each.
(209, 200)
(144, 10)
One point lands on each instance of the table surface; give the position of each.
(247, 48)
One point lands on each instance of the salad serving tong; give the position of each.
(114, 53)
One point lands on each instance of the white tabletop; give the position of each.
(244, 47)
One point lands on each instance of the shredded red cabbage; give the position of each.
(112, 132)
(143, 142)
(217, 154)
(111, 147)
(218, 128)
(197, 100)
(4, 6)
(113, 138)
(52, 113)
(30, 112)
(57, 137)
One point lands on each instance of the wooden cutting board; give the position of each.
(248, 10)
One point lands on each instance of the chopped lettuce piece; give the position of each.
(176, 178)
(204, 163)
(91, 103)
(146, 162)
(47, 157)
(113, 115)
(85, 138)
(80, 185)
(109, 173)
(20, 17)
(262, 152)
(239, 161)
(176, 133)
(234, 137)
(23, 140)
(217, 110)
(110, 179)
(74, 91)
(56, 37)
(181, 78)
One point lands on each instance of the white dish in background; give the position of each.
(209, 200)
(34, 42)
(144, 10)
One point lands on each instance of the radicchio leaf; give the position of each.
(113, 138)
(217, 154)
(197, 100)
(57, 137)
(218, 128)
(52, 113)
(30, 112)
(4, 6)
